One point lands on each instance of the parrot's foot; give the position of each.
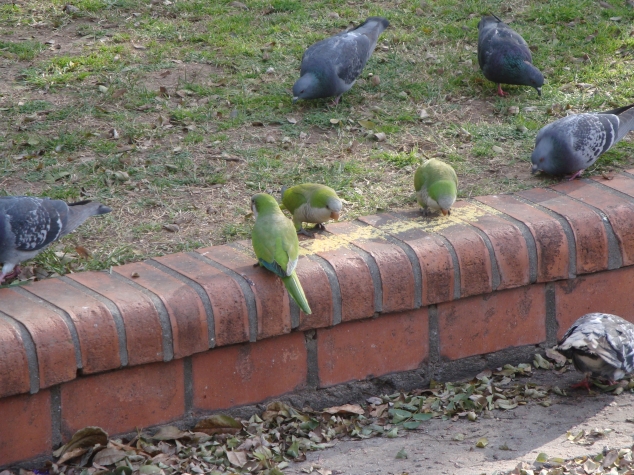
(320, 227)
(501, 92)
(306, 233)
(576, 174)
(257, 264)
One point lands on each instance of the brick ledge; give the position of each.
(190, 333)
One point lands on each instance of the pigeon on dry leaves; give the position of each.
(331, 66)
(571, 144)
(29, 224)
(504, 56)
(601, 345)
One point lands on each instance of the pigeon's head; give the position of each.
(307, 87)
(533, 77)
(541, 156)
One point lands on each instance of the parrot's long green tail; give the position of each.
(295, 290)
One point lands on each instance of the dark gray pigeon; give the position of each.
(29, 224)
(331, 66)
(504, 56)
(571, 144)
(601, 345)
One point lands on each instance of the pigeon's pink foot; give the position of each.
(575, 175)
(336, 101)
(582, 384)
(501, 92)
(14, 273)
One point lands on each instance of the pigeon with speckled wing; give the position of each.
(601, 345)
(504, 56)
(331, 66)
(29, 224)
(571, 144)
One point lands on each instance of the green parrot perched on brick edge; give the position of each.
(311, 203)
(276, 245)
(436, 186)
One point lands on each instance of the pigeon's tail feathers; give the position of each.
(488, 21)
(80, 211)
(373, 23)
(296, 291)
(626, 121)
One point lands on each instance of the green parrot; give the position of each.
(276, 246)
(436, 186)
(311, 203)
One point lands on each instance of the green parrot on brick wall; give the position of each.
(276, 245)
(311, 203)
(436, 186)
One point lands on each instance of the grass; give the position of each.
(175, 112)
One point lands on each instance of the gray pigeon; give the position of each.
(331, 66)
(601, 345)
(29, 224)
(571, 144)
(504, 56)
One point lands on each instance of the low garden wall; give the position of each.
(397, 299)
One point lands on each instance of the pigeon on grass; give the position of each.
(29, 224)
(571, 144)
(331, 66)
(600, 345)
(504, 56)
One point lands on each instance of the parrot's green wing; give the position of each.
(275, 244)
(293, 198)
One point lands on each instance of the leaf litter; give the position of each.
(266, 443)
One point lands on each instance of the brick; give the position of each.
(355, 282)
(608, 292)
(483, 324)
(14, 366)
(620, 211)
(25, 427)
(397, 279)
(433, 256)
(473, 258)
(52, 338)
(144, 337)
(318, 293)
(121, 401)
(231, 316)
(249, 373)
(622, 183)
(550, 238)
(96, 330)
(187, 314)
(507, 241)
(587, 226)
(371, 348)
(271, 297)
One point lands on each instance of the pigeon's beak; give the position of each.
(295, 99)
(534, 169)
(334, 215)
(444, 212)
(539, 91)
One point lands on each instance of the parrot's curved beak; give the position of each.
(444, 212)
(334, 215)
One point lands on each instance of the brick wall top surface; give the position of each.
(175, 306)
